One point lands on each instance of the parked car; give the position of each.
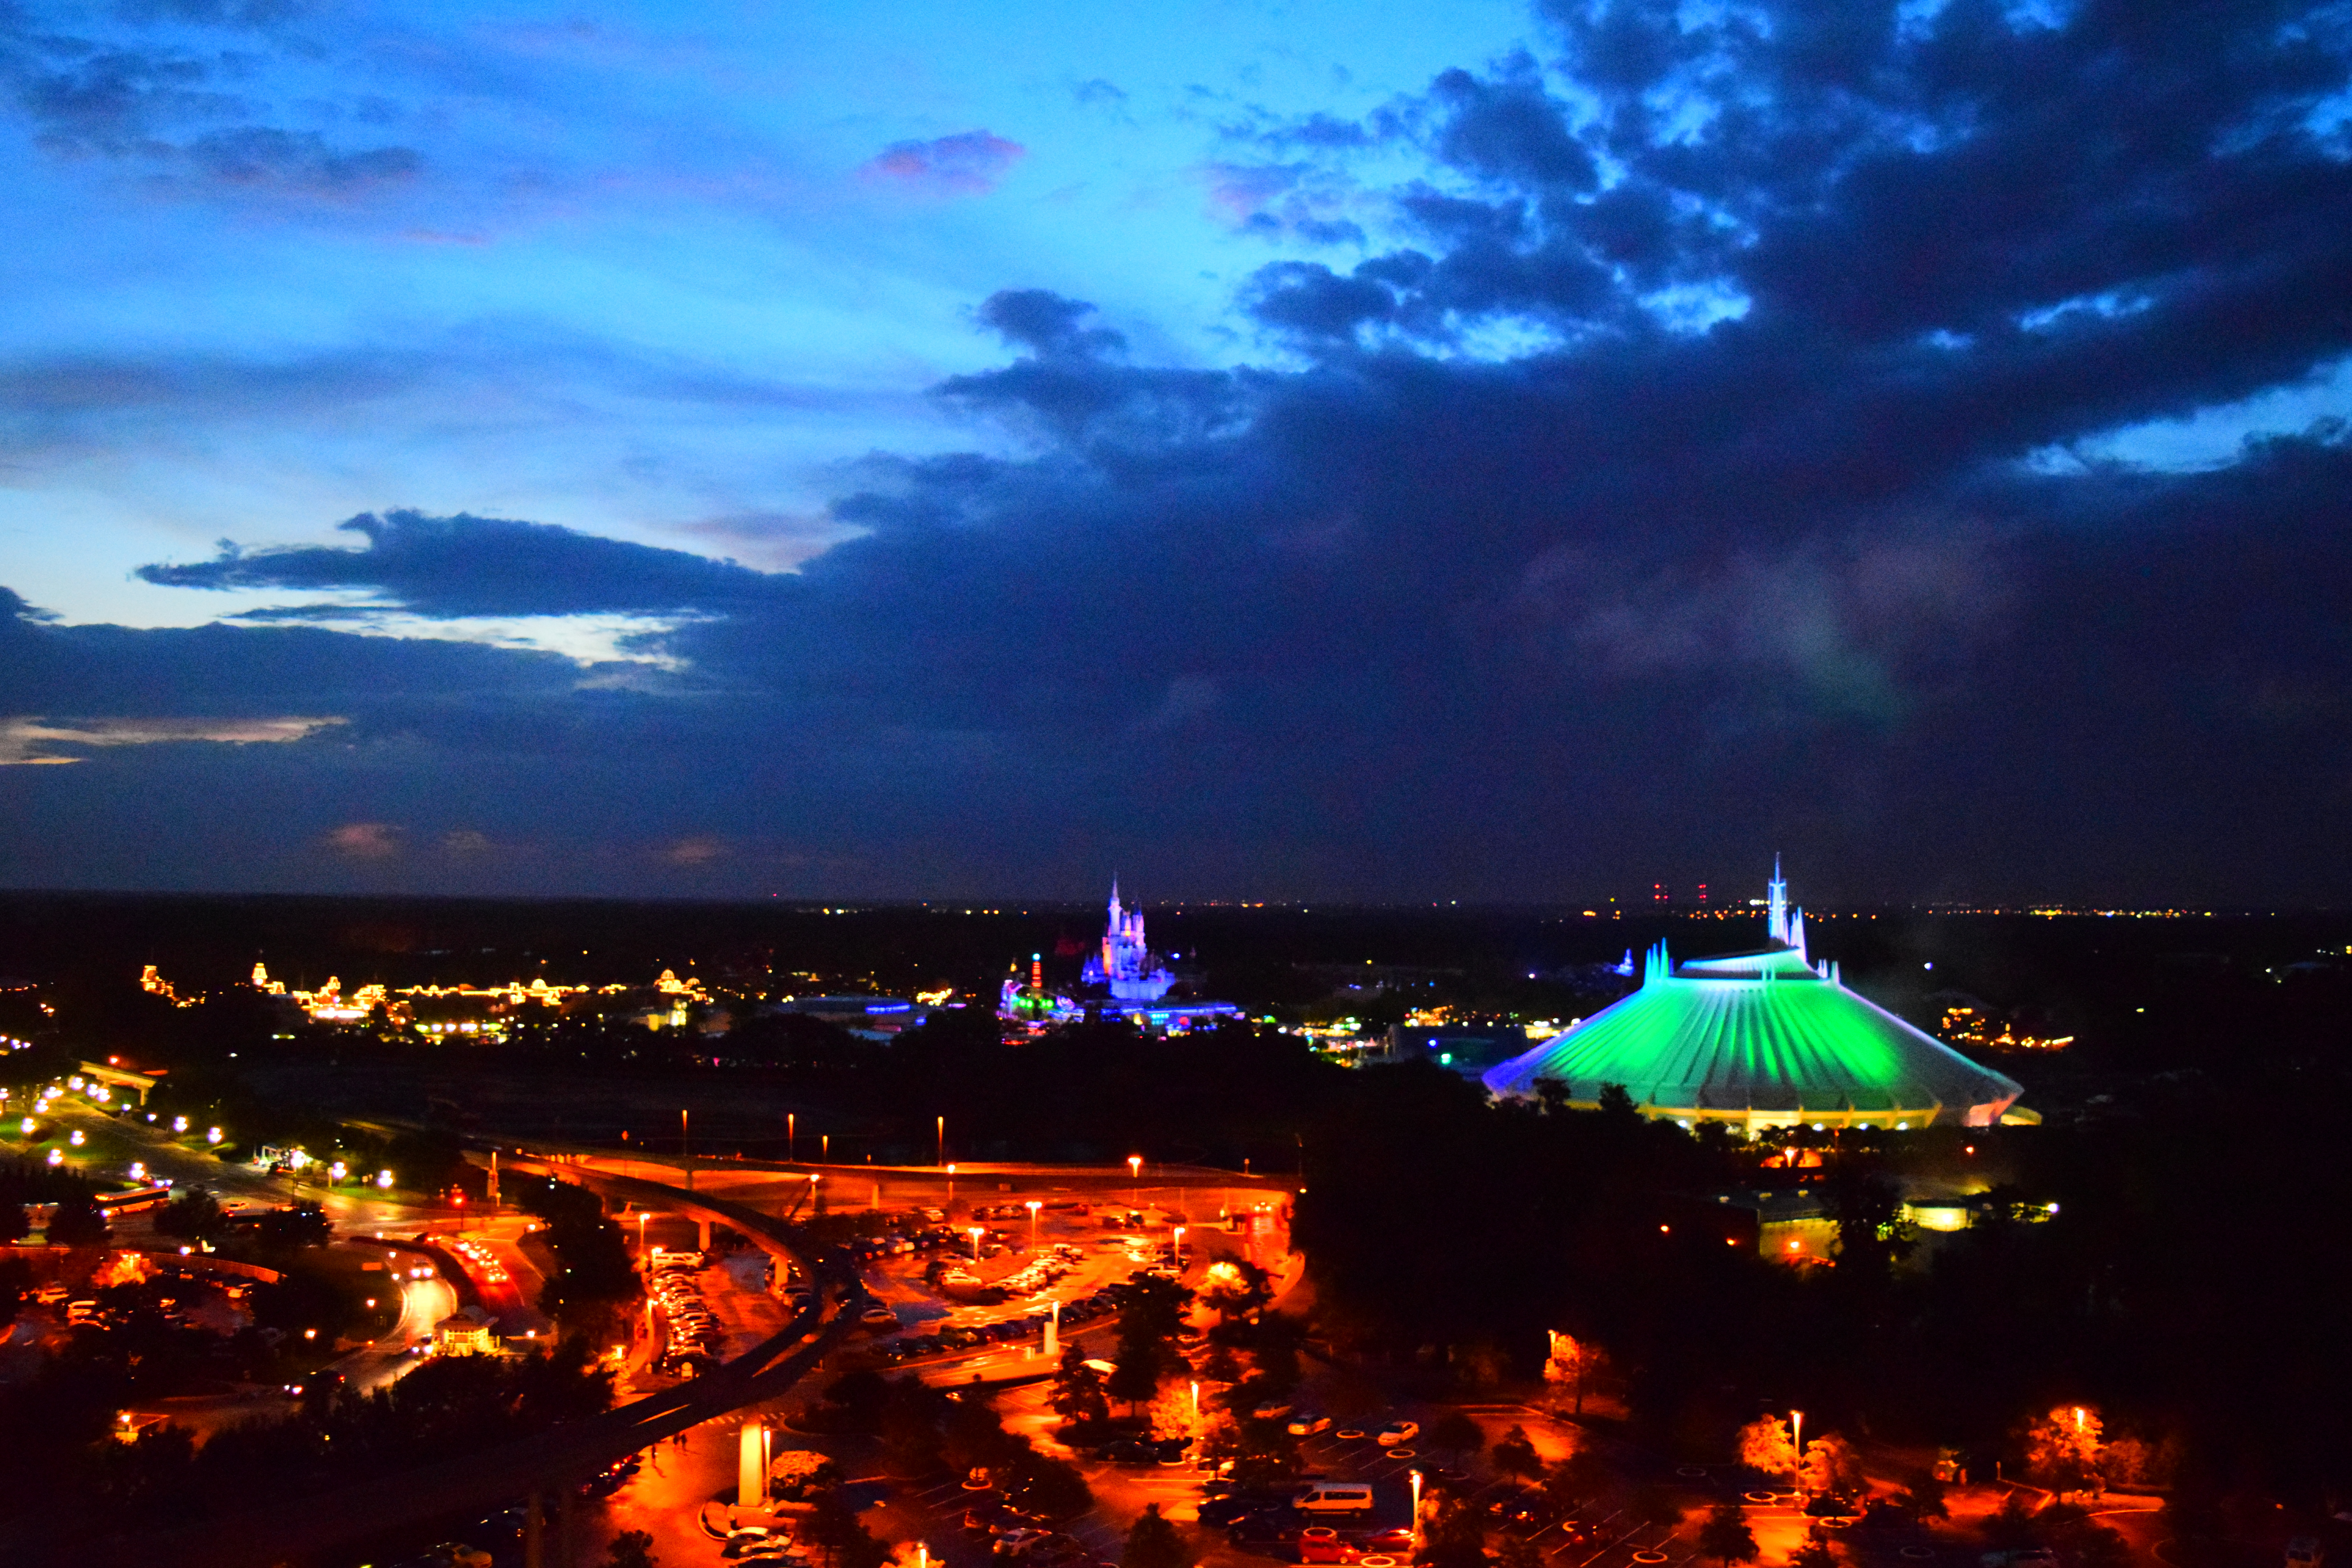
(1397, 1432)
(1271, 1526)
(1306, 1423)
(1271, 1410)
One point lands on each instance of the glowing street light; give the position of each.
(57, 1156)
(212, 1134)
(77, 1140)
(1416, 1512)
(1177, 1247)
(383, 1181)
(1797, 1421)
(25, 1126)
(951, 1186)
(179, 1124)
(943, 1160)
(1135, 1178)
(1033, 1205)
(139, 1173)
(976, 1232)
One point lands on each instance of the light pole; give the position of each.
(824, 1148)
(951, 1186)
(1416, 1512)
(976, 1232)
(1135, 1178)
(1797, 1421)
(685, 1155)
(943, 1143)
(1033, 1205)
(791, 1139)
(642, 1215)
(1177, 1247)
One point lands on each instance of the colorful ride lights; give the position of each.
(383, 1181)
(179, 1124)
(77, 1138)
(25, 1127)
(57, 1156)
(212, 1134)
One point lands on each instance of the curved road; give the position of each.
(555, 1457)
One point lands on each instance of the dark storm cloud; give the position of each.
(1662, 495)
(178, 111)
(465, 565)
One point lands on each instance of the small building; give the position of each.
(466, 1331)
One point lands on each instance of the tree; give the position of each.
(1765, 1445)
(16, 1225)
(195, 1215)
(1456, 1434)
(835, 1529)
(1726, 1536)
(1576, 1479)
(1153, 1542)
(1077, 1396)
(2062, 1449)
(1515, 1455)
(1831, 1465)
(1454, 1534)
(77, 1221)
(631, 1549)
(1816, 1552)
(293, 1227)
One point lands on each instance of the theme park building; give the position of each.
(1759, 1040)
(1122, 978)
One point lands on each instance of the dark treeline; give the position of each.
(2178, 1286)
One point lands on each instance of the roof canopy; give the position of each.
(1764, 1039)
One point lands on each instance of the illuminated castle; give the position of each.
(1761, 1040)
(1138, 979)
(1126, 962)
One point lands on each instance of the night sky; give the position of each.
(1291, 450)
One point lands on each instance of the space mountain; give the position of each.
(1761, 1040)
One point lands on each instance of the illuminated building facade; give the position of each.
(1124, 965)
(1761, 1040)
(1126, 962)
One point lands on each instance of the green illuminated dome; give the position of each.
(1762, 1039)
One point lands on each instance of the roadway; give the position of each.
(552, 1459)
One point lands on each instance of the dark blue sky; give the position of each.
(1277, 451)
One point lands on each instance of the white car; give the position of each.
(1306, 1424)
(1397, 1432)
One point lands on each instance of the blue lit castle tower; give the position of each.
(1126, 962)
(1137, 978)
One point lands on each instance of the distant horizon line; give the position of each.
(1599, 910)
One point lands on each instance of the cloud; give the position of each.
(465, 565)
(700, 849)
(184, 114)
(971, 163)
(364, 840)
(1047, 324)
(24, 741)
(1659, 489)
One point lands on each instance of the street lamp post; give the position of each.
(976, 1232)
(1135, 1181)
(943, 1145)
(951, 1186)
(684, 1149)
(1797, 1423)
(1177, 1247)
(1033, 1205)
(791, 1139)
(1416, 1512)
